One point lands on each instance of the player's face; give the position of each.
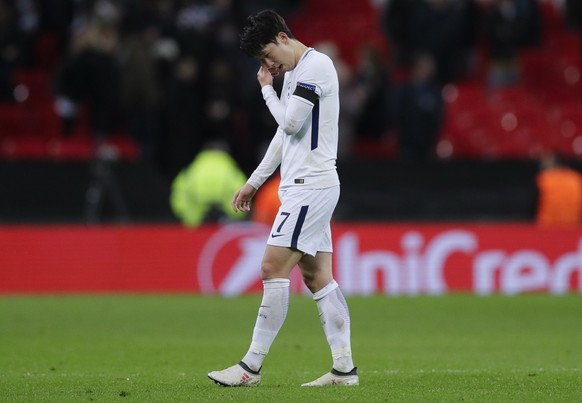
(278, 57)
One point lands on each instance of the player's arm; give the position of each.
(269, 163)
(289, 118)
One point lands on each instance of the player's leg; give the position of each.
(275, 269)
(335, 318)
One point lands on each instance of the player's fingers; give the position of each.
(235, 201)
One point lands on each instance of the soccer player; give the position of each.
(305, 147)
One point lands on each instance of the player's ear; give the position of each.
(283, 38)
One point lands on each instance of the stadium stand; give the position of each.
(519, 121)
(486, 133)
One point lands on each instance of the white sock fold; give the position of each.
(271, 316)
(335, 319)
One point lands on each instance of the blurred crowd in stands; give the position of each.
(169, 72)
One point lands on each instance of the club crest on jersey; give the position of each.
(307, 86)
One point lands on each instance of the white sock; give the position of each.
(335, 318)
(271, 316)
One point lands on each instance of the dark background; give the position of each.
(481, 166)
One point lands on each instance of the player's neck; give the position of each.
(298, 49)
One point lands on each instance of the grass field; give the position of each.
(160, 348)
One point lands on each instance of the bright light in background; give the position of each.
(21, 93)
(444, 149)
(572, 75)
(509, 122)
(577, 145)
(450, 93)
(568, 129)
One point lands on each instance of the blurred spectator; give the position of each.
(220, 101)
(372, 90)
(19, 27)
(183, 137)
(197, 26)
(56, 17)
(573, 12)
(530, 12)
(143, 86)
(203, 191)
(266, 202)
(92, 75)
(503, 31)
(396, 20)
(9, 51)
(419, 111)
(560, 192)
(141, 15)
(442, 29)
(28, 28)
(509, 25)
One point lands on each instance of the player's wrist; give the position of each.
(267, 90)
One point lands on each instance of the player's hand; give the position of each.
(264, 76)
(242, 198)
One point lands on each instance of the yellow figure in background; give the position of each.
(202, 192)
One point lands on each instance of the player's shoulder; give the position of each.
(316, 57)
(318, 64)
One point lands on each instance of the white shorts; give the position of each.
(303, 220)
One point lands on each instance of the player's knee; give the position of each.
(269, 271)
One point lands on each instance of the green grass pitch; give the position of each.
(159, 348)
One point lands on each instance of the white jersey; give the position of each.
(307, 154)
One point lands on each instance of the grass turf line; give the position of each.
(160, 348)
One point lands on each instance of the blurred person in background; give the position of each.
(19, 27)
(202, 192)
(28, 28)
(91, 75)
(559, 192)
(419, 111)
(220, 101)
(573, 9)
(373, 91)
(148, 53)
(9, 49)
(183, 116)
(141, 91)
(509, 26)
(444, 30)
(396, 20)
(305, 147)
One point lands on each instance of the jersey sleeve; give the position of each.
(311, 81)
(290, 118)
(269, 163)
(314, 77)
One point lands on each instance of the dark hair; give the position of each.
(260, 30)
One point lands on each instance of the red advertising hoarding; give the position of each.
(394, 259)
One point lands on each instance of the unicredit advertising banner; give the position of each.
(393, 259)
